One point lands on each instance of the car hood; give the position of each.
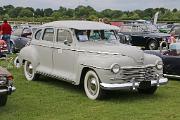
(113, 49)
(4, 71)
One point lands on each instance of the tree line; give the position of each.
(84, 12)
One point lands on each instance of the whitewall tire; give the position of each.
(29, 71)
(92, 85)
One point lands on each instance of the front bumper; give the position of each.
(4, 51)
(131, 85)
(7, 90)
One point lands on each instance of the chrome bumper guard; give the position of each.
(131, 85)
(8, 90)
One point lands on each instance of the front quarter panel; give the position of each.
(29, 53)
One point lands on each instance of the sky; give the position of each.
(96, 4)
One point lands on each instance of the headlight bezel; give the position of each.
(159, 65)
(3, 78)
(115, 68)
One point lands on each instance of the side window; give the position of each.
(48, 34)
(64, 35)
(38, 34)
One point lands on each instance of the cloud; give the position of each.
(97, 4)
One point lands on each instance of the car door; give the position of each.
(171, 64)
(43, 42)
(64, 55)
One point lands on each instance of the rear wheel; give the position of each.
(92, 86)
(29, 71)
(3, 100)
(153, 45)
(149, 90)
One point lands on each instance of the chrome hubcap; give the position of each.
(92, 85)
(152, 46)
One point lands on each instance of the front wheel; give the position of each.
(3, 100)
(149, 90)
(153, 45)
(29, 71)
(92, 86)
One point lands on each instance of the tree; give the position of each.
(56, 15)
(39, 12)
(26, 13)
(174, 10)
(13, 13)
(48, 12)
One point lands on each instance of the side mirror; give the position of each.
(66, 42)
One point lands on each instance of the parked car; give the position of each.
(17, 43)
(6, 85)
(171, 58)
(165, 28)
(3, 48)
(24, 32)
(143, 35)
(176, 30)
(82, 52)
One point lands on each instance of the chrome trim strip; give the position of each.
(138, 67)
(131, 85)
(125, 67)
(173, 76)
(95, 67)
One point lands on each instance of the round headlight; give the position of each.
(3, 78)
(159, 65)
(115, 68)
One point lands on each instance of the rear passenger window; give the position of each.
(38, 34)
(48, 34)
(63, 35)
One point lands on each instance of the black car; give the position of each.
(24, 31)
(171, 59)
(17, 43)
(176, 30)
(143, 35)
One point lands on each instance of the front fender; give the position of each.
(101, 64)
(29, 53)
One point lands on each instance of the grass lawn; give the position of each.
(50, 99)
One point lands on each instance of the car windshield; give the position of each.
(148, 28)
(96, 35)
(138, 28)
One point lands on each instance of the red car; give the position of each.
(6, 85)
(3, 47)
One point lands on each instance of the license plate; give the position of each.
(145, 84)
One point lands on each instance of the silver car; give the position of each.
(90, 53)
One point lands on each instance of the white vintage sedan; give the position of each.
(90, 53)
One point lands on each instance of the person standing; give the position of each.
(0, 32)
(6, 33)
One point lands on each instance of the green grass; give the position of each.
(50, 99)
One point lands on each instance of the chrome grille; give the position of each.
(139, 74)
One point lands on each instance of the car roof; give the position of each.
(81, 25)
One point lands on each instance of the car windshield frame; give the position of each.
(96, 35)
